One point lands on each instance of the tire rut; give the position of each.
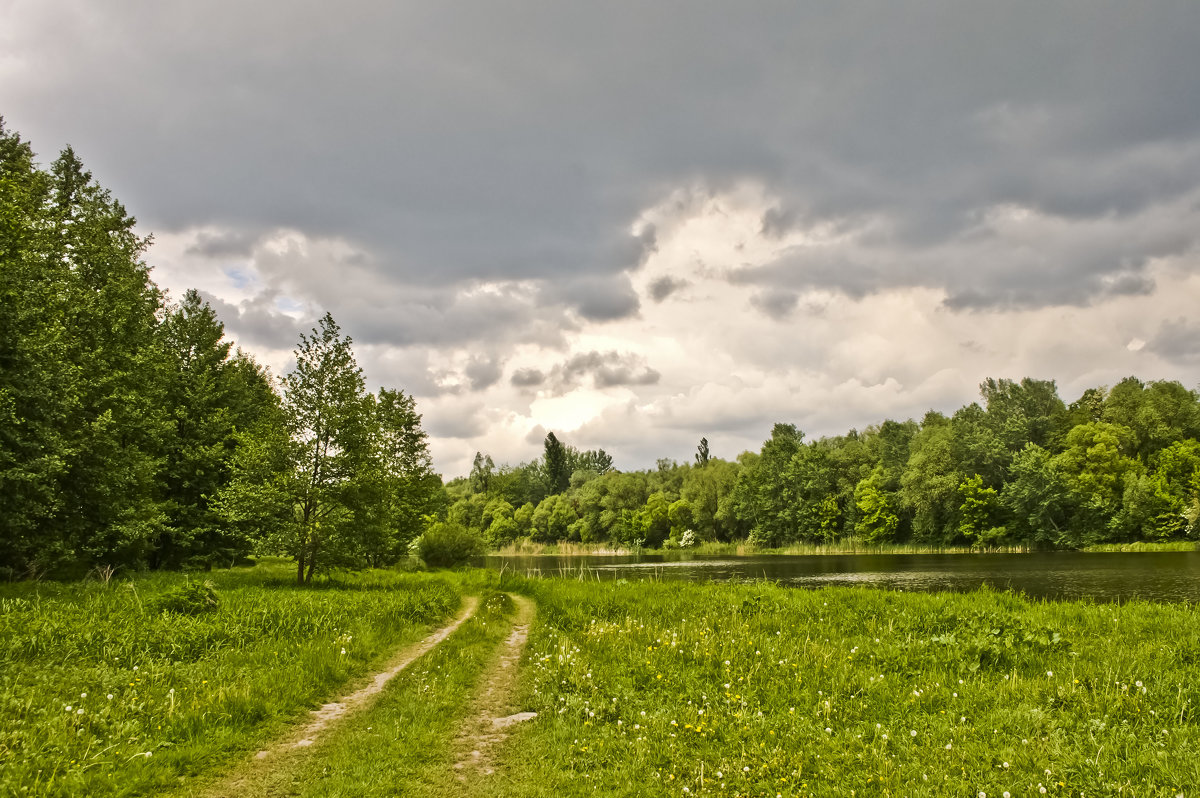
(329, 714)
(490, 720)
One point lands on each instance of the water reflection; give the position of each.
(1157, 576)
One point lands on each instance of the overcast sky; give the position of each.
(636, 224)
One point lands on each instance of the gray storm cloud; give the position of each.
(466, 187)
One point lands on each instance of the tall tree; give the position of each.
(209, 395)
(702, 453)
(81, 373)
(556, 465)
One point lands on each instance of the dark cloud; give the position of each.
(596, 298)
(483, 372)
(776, 303)
(526, 144)
(527, 378)
(1178, 341)
(776, 222)
(456, 421)
(258, 322)
(606, 370)
(223, 244)
(664, 286)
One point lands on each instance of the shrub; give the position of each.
(447, 544)
(191, 598)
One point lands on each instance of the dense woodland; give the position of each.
(133, 436)
(1020, 469)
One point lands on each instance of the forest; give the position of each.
(133, 435)
(1021, 468)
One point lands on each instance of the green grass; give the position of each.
(100, 695)
(643, 688)
(1170, 545)
(678, 689)
(525, 548)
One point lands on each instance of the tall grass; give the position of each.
(525, 548)
(1140, 546)
(101, 695)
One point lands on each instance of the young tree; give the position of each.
(702, 453)
(302, 479)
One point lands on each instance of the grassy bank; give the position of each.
(1172, 545)
(741, 549)
(654, 689)
(104, 695)
(744, 549)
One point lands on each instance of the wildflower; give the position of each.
(84, 695)
(912, 733)
(110, 696)
(1050, 673)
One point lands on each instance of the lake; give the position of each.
(1110, 576)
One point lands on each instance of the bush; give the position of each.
(192, 598)
(447, 544)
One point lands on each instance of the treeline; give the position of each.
(132, 436)
(1020, 468)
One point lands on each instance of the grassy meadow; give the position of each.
(641, 688)
(678, 689)
(100, 694)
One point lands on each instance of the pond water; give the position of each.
(1154, 576)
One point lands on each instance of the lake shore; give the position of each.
(527, 548)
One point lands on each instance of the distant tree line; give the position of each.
(132, 436)
(1021, 468)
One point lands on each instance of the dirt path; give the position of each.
(489, 721)
(328, 714)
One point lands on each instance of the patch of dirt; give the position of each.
(489, 720)
(330, 713)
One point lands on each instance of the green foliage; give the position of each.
(446, 545)
(190, 598)
(877, 522)
(978, 513)
(999, 641)
(556, 464)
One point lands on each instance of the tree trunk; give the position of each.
(300, 569)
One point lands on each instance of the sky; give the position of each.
(639, 224)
